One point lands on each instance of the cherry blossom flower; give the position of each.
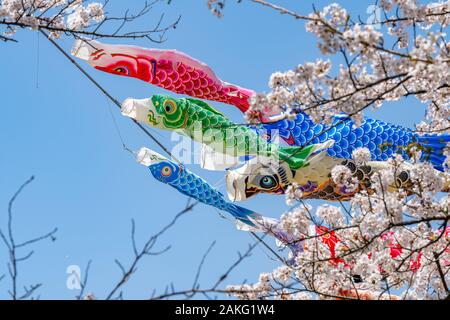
(361, 155)
(54, 15)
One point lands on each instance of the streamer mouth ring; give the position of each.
(148, 157)
(142, 110)
(236, 186)
(90, 51)
(85, 49)
(129, 108)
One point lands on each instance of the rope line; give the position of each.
(117, 103)
(107, 94)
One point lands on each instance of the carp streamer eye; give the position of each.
(166, 171)
(170, 106)
(121, 70)
(267, 182)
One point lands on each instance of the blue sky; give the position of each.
(56, 125)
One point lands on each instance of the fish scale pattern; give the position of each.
(196, 187)
(381, 138)
(185, 79)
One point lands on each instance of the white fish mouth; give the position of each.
(143, 156)
(82, 50)
(139, 110)
(148, 157)
(235, 186)
(129, 108)
(89, 50)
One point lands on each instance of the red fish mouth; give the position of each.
(97, 54)
(90, 51)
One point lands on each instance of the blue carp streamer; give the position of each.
(381, 138)
(191, 185)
